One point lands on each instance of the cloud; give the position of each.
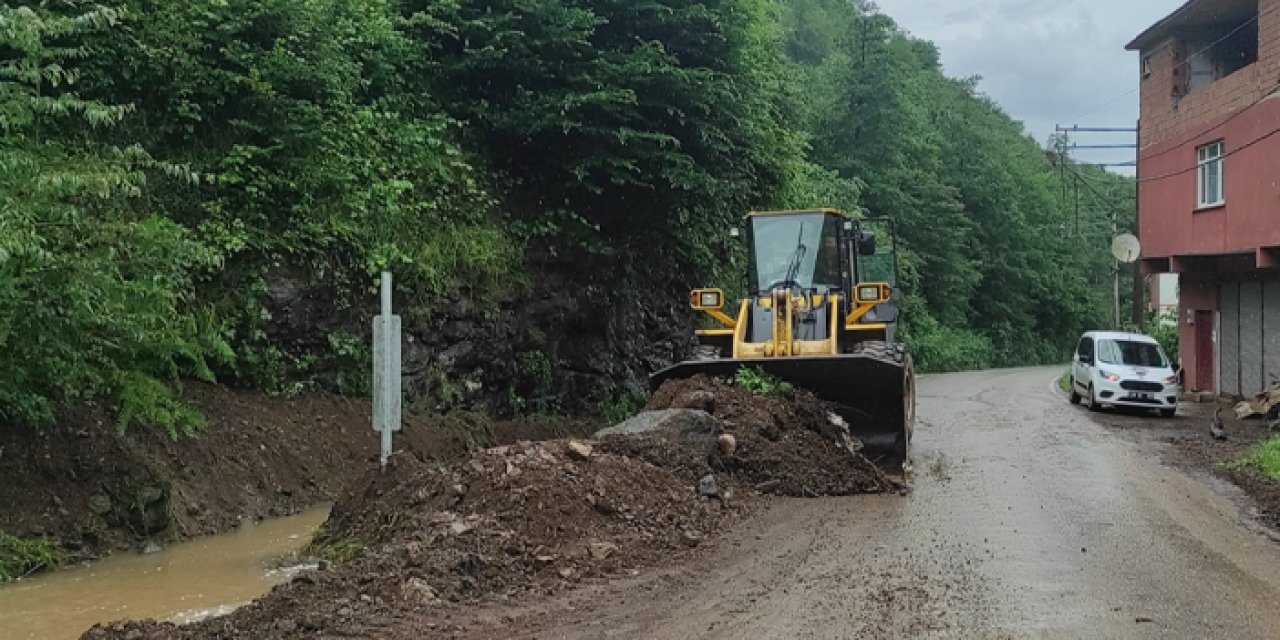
(1046, 62)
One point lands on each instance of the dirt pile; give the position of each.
(789, 444)
(538, 517)
(513, 519)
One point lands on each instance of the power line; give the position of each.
(1223, 157)
(1079, 129)
(1215, 43)
(1099, 198)
(1102, 146)
(1266, 94)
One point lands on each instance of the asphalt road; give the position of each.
(1028, 519)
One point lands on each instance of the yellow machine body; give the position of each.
(813, 317)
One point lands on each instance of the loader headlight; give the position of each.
(869, 293)
(703, 299)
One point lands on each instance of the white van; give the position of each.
(1123, 369)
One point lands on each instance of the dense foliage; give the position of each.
(994, 269)
(95, 291)
(161, 158)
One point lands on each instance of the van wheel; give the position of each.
(1093, 401)
(1168, 413)
(1072, 395)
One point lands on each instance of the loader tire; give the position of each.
(897, 355)
(881, 350)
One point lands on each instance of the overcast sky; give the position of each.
(1046, 62)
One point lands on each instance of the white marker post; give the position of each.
(386, 370)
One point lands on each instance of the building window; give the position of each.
(1146, 67)
(1209, 52)
(1209, 159)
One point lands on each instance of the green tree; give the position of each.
(991, 275)
(95, 293)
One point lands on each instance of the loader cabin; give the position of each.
(824, 269)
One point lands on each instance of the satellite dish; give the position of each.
(1126, 248)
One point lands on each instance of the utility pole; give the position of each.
(1115, 271)
(1139, 316)
(1068, 146)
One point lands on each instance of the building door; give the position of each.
(1206, 351)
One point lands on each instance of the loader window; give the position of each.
(877, 268)
(881, 266)
(800, 247)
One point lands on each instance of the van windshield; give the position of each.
(1132, 353)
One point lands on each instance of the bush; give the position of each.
(21, 557)
(755, 380)
(937, 349)
(1164, 328)
(617, 406)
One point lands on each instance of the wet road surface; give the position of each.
(1028, 519)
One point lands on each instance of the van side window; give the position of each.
(1085, 349)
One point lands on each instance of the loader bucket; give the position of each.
(873, 392)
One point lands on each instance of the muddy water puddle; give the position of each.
(183, 582)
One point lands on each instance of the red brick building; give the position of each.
(1209, 184)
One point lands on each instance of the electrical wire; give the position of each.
(1267, 93)
(1223, 157)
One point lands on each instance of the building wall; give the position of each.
(1229, 339)
(1224, 255)
(1170, 224)
(1161, 123)
(1271, 329)
(1195, 294)
(1248, 332)
(1241, 109)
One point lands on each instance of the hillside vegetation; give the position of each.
(196, 189)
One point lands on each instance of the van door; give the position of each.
(1082, 366)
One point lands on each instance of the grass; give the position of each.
(335, 551)
(21, 557)
(618, 406)
(1064, 382)
(756, 380)
(1265, 458)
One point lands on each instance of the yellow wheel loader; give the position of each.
(819, 312)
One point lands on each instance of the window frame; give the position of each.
(1085, 348)
(1211, 165)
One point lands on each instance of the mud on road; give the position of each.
(1184, 442)
(1028, 519)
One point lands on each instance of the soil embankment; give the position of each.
(536, 518)
(95, 491)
